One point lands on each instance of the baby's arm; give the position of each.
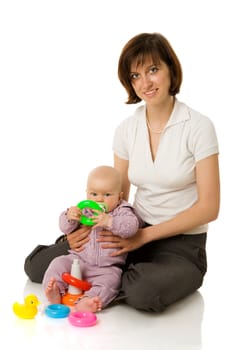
(67, 226)
(125, 223)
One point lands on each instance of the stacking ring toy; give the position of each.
(76, 282)
(82, 319)
(71, 299)
(57, 310)
(85, 220)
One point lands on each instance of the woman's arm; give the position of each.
(205, 210)
(122, 166)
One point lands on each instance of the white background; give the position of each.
(60, 101)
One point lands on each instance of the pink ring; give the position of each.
(82, 318)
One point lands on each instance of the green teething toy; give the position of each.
(85, 220)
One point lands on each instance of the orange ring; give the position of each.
(73, 281)
(70, 299)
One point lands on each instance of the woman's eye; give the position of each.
(134, 76)
(153, 70)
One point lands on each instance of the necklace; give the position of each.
(155, 131)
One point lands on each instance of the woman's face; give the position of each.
(151, 81)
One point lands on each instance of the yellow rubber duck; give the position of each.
(29, 309)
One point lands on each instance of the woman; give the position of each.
(169, 152)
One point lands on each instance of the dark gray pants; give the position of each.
(164, 271)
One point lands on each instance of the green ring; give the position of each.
(84, 220)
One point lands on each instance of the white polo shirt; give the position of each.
(165, 187)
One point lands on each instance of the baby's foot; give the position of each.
(52, 292)
(93, 304)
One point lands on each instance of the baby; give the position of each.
(99, 268)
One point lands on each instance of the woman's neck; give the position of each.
(158, 115)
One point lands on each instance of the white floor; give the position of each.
(118, 327)
(212, 318)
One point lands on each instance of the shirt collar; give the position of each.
(179, 114)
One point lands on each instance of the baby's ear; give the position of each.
(121, 195)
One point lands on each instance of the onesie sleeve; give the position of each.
(67, 226)
(125, 222)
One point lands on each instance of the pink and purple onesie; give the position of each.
(98, 267)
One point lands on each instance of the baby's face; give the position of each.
(103, 192)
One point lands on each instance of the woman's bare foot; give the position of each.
(93, 304)
(52, 292)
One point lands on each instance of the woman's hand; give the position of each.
(123, 245)
(79, 238)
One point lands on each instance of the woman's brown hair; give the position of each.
(139, 48)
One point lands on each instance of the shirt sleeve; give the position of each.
(203, 141)
(120, 141)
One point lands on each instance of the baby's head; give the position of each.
(104, 186)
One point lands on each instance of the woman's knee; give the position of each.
(141, 289)
(152, 286)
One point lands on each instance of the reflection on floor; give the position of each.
(209, 319)
(118, 327)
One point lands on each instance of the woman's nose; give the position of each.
(146, 82)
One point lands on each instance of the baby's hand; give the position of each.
(74, 213)
(102, 219)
